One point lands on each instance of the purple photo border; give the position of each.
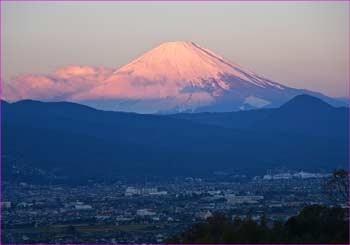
(183, 1)
(1, 55)
(214, 1)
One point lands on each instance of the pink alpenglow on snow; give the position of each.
(175, 76)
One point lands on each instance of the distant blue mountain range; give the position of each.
(78, 142)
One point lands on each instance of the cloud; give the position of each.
(83, 83)
(63, 84)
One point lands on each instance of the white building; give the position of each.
(305, 175)
(283, 176)
(233, 199)
(267, 177)
(83, 207)
(6, 204)
(204, 214)
(159, 193)
(148, 191)
(301, 175)
(145, 212)
(130, 191)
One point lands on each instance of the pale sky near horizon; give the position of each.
(299, 44)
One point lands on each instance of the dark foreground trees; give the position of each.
(337, 187)
(314, 224)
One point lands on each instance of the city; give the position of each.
(152, 210)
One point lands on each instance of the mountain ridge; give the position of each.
(302, 114)
(81, 142)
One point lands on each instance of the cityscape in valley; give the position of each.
(151, 211)
(180, 145)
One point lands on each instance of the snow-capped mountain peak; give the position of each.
(187, 61)
(174, 76)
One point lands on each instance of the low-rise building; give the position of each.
(233, 199)
(145, 212)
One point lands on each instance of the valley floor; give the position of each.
(149, 211)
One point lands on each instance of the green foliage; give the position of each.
(314, 224)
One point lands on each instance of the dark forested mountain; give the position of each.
(303, 114)
(76, 141)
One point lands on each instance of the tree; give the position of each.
(314, 224)
(337, 187)
(263, 221)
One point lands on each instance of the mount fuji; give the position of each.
(173, 77)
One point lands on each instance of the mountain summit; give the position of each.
(173, 77)
(180, 76)
(189, 63)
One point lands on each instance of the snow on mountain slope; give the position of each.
(175, 68)
(182, 75)
(186, 61)
(175, 76)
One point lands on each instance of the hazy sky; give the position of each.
(302, 44)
